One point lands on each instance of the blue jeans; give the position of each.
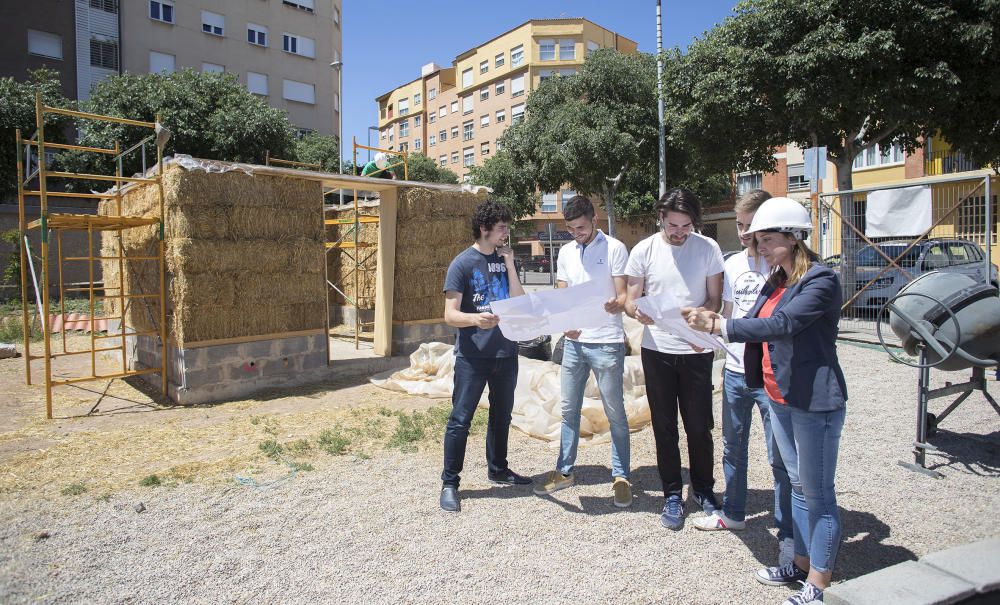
(607, 360)
(472, 374)
(738, 402)
(808, 442)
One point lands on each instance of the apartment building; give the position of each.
(455, 114)
(280, 49)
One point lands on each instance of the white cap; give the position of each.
(381, 161)
(784, 215)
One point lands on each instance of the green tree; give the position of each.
(17, 110)
(422, 168)
(209, 115)
(844, 74)
(512, 183)
(320, 149)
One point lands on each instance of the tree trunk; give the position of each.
(609, 207)
(850, 212)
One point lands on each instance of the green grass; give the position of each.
(13, 331)
(299, 447)
(302, 466)
(271, 448)
(150, 481)
(333, 441)
(73, 489)
(373, 429)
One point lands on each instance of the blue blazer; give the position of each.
(802, 342)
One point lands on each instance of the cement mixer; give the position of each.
(950, 322)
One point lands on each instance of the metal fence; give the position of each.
(874, 265)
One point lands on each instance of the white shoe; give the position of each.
(786, 551)
(717, 521)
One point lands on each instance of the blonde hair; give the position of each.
(802, 258)
(751, 200)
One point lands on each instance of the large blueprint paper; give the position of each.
(554, 311)
(665, 310)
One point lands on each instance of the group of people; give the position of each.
(773, 296)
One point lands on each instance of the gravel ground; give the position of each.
(369, 531)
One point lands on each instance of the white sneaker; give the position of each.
(786, 551)
(717, 521)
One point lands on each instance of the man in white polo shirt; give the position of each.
(590, 256)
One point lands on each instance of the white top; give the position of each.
(745, 276)
(681, 270)
(602, 258)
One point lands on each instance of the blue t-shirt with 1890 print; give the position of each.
(481, 279)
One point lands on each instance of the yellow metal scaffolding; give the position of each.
(89, 224)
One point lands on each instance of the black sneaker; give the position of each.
(706, 500)
(508, 477)
(781, 576)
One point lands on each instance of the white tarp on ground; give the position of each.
(537, 400)
(898, 212)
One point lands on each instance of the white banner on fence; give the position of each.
(898, 212)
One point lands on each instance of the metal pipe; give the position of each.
(659, 97)
(94, 116)
(23, 250)
(44, 203)
(990, 226)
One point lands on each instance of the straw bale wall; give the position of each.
(432, 227)
(244, 255)
(341, 263)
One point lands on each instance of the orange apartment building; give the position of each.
(455, 115)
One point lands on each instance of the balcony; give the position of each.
(948, 162)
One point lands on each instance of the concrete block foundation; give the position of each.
(407, 336)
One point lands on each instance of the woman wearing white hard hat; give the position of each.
(791, 336)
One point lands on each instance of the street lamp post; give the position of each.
(370, 129)
(659, 95)
(339, 66)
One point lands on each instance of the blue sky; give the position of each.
(387, 41)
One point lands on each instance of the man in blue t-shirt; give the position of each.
(479, 275)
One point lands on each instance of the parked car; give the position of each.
(948, 255)
(536, 263)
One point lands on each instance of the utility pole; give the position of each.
(659, 94)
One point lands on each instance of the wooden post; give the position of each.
(385, 272)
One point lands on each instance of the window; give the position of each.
(591, 47)
(748, 182)
(468, 157)
(416, 143)
(971, 223)
(549, 202)
(299, 91)
(484, 148)
(416, 99)
(108, 6)
(516, 113)
(104, 53)
(960, 254)
(501, 116)
(567, 195)
(404, 106)
(499, 88)
(432, 140)
(256, 34)
(468, 130)
(213, 23)
(882, 154)
(298, 45)
(416, 120)
(443, 159)
(443, 111)
(545, 74)
(45, 44)
(336, 102)
(467, 78)
(257, 83)
(517, 86)
(567, 72)
(454, 132)
(517, 55)
(158, 62)
(797, 177)
(567, 50)
(936, 257)
(404, 128)
(484, 93)
(432, 93)
(161, 10)
(336, 16)
(546, 50)
(432, 117)
(466, 104)
(454, 157)
(498, 62)
(454, 107)
(213, 68)
(484, 121)
(443, 135)
(484, 66)
(306, 5)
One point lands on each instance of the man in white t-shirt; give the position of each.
(745, 275)
(689, 266)
(592, 255)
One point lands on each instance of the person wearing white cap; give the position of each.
(379, 167)
(791, 350)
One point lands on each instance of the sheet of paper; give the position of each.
(553, 311)
(666, 312)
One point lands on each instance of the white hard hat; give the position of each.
(784, 215)
(381, 161)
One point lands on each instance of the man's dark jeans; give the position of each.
(472, 375)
